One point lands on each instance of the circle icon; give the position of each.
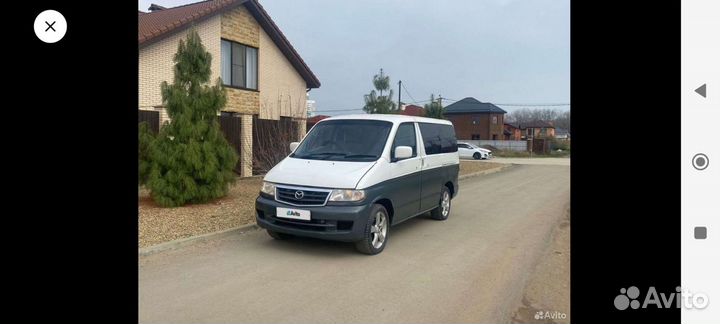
(700, 161)
(50, 26)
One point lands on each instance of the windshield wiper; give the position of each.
(360, 156)
(326, 155)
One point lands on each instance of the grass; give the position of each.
(467, 167)
(158, 224)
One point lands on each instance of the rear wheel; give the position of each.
(376, 231)
(443, 210)
(476, 156)
(278, 235)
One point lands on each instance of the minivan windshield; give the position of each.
(345, 140)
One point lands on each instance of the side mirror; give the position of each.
(403, 152)
(293, 146)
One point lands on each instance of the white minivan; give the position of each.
(354, 176)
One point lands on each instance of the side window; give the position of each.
(405, 136)
(438, 138)
(431, 138)
(449, 142)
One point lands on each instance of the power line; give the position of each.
(535, 105)
(408, 93)
(524, 105)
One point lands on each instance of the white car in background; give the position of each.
(467, 150)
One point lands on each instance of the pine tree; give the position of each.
(434, 109)
(380, 104)
(190, 160)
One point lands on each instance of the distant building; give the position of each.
(412, 110)
(512, 132)
(561, 133)
(537, 129)
(476, 120)
(310, 107)
(311, 121)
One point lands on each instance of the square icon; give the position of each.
(700, 232)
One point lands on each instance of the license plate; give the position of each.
(292, 213)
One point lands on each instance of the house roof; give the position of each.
(316, 118)
(413, 110)
(471, 105)
(536, 124)
(154, 25)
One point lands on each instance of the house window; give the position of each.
(475, 136)
(543, 131)
(494, 137)
(476, 120)
(239, 65)
(494, 120)
(529, 132)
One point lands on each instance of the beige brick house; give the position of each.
(262, 72)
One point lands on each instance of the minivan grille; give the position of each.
(309, 197)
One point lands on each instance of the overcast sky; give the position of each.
(499, 51)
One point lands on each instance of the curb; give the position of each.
(172, 245)
(195, 239)
(484, 172)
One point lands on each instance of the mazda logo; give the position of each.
(299, 195)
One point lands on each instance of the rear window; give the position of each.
(438, 138)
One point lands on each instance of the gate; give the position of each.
(151, 117)
(232, 128)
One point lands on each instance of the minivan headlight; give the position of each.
(268, 188)
(347, 195)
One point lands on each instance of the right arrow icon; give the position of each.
(702, 90)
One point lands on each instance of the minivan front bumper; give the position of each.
(337, 223)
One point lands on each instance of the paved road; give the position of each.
(470, 268)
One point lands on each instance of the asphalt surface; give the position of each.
(471, 268)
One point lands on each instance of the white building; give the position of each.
(310, 107)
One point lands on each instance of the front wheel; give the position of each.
(376, 231)
(443, 210)
(476, 156)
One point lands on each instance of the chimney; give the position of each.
(154, 7)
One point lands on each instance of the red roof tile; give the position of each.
(413, 110)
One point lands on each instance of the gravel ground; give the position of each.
(158, 225)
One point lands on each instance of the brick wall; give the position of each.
(282, 89)
(467, 125)
(156, 60)
(238, 25)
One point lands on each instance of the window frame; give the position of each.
(257, 65)
(441, 128)
(415, 137)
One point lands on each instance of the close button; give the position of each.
(700, 161)
(50, 26)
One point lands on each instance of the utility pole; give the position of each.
(440, 98)
(399, 92)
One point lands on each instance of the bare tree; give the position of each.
(559, 118)
(272, 142)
